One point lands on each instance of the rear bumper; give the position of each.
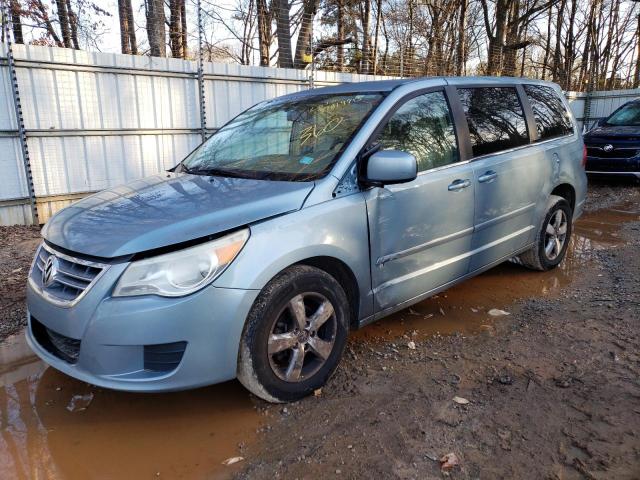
(124, 336)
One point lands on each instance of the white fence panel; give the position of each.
(96, 120)
(603, 103)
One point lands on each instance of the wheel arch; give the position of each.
(344, 276)
(566, 191)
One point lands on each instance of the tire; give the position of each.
(540, 256)
(279, 360)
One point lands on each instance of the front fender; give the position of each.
(336, 228)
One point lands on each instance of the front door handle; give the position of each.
(488, 176)
(459, 184)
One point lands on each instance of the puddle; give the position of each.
(114, 434)
(105, 434)
(463, 308)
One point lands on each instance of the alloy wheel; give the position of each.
(302, 337)
(555, 234)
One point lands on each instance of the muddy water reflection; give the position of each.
(464, 308)
(119, 435)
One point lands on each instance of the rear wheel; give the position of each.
(552, 239)
(294, 335)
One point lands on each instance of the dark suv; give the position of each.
(613, 146)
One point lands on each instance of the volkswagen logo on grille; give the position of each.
(50, 271)
(608, 147)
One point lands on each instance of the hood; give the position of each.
(613, 131)
(167, 209)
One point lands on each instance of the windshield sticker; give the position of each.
(306, 160)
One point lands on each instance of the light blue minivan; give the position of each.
(304, 217)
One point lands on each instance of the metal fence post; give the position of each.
(587, 104)
(203, 117)
(22, 135)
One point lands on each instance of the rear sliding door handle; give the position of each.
(459, 185)
(488, 176)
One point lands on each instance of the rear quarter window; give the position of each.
(495, 118)
(552, 118)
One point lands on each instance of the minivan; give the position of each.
(613, 146)
(303, 218)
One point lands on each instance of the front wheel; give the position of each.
(552, 239)
(294, 336)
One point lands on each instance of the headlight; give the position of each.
(183, 272)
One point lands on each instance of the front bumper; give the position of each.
(613, 174)
(613, 164)
(112, 337)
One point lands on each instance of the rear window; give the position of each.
(495, 118)
(552, 118)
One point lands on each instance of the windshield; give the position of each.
(627, 115)
(295, 139)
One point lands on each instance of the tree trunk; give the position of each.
(183, 28)
(366, 39)
(127, 29)
(156, 28)
(376, 35)
(407, 56)
(385, 55)
(73, 25)
(283, 32)
(513, 36)
(582, 77)
(547, 47)
(64, 23)
(636, 73)
(570, 53)
(608, 50)
(16, 23)
(264, 31)
(303, 47)
(125, 47)
(497, 38)
(175, 24)
(340, 27)
(461, 47)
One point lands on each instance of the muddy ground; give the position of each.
(553, 387)
(17, 247)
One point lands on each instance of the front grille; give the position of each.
(64, 348)
(598, 152)
(69, 277)
(164, 357)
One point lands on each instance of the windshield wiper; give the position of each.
(219, 172)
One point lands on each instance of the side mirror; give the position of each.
(391, 166)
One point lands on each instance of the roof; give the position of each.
(389, 85)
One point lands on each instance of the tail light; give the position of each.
(584, 156)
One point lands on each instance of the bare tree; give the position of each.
(156, 33)
(264, 31)
(283, 32)
(128, 42)
(16, 21)
(176, 34)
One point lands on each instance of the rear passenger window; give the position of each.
(495, 118)
(423, 126)
(552, 118)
